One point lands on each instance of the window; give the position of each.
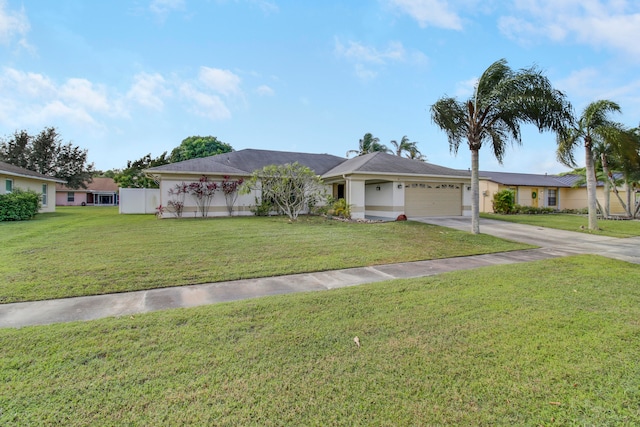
(44, 194)
(552, 198)
(8, 186)
(71, 196)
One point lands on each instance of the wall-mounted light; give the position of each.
(399, 186)
(378, 188)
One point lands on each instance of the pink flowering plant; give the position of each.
(203, 191)
(230, 190)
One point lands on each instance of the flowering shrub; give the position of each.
(203, 191)
(230, 190)
(177, 194)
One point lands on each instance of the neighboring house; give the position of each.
(99, 192)
(13, 177)
(549, 191)
(374, 185)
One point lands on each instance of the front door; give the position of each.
(534, 197)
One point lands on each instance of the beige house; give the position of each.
(375, 185)
(14, 177)
(549, 191)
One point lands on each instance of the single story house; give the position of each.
(14, 177)
(99, 192)
(553, 191)
(374, 185)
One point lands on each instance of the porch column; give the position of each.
(355, 197)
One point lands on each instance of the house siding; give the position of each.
(33, 184)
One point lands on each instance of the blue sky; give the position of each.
(127, 78)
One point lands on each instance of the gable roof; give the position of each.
(525, 179)
(384, 163)
(244, 162)
(97, 185)
(11, 170)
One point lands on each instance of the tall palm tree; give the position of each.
(591, 128)
(503, 100)
(404, 146)
(368, 144)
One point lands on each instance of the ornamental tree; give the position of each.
(230, 189)
(202, 192)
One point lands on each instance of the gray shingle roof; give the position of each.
(380, 162)
(12, 170)
(244, 162)
(509, 178)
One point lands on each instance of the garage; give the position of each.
(432, 199)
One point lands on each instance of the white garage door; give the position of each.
(432, 199)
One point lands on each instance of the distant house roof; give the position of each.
(244, 162)
(521, 179)
(9, 169)
(384, 163)
(98, 185)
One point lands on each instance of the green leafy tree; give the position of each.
(46, 154)
(503, 100)
(591, 128)
(368, 144)
(195, 147)
(290, 187)
(133, 176)
(16, 149)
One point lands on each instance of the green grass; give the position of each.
(546, 343)
(579, 223)
(89, 251)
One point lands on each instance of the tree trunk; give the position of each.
(475, 192)
(591, 185)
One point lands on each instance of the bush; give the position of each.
(340, 208)
(504, 202)
(530, 210)
(19, 205)
(263, 207)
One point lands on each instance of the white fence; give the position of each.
(139, 200)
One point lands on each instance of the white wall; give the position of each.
(139, 200)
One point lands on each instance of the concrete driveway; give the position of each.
(552, 243)
(574, 242)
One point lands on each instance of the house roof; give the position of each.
(98, 185)
(526, 179)
(384, 163)
(244, 162)
(9, 169)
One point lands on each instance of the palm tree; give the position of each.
(368, 144)
(593, 127)
(415, 154)
(503, 100)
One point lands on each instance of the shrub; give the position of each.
(530, 210)
(263, 207)
(19, 205)
(504, 202)
(340, 208)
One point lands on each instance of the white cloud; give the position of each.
(203, 104)
(221, 81)
(434, 13)
(367, 58)
(149, 90)
(34, 99)
(612, 24)
(13, 24)
(466, 88)
(356, 51)
(265, 90)
(164, 7)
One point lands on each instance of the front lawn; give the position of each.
(88, 250)
(579, 223)
(552, 342)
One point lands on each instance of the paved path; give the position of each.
(553, 243)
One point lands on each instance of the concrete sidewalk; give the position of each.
(553, 243)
